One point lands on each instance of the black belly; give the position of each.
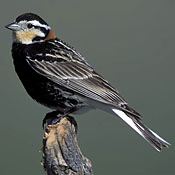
(40, 88)
(44, 90)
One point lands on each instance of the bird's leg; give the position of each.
(69, 112)
(51, 118)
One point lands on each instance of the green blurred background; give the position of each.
(131, 43)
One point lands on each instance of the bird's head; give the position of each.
(30, 28)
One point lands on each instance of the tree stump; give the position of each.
(61, 153)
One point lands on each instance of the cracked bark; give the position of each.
(61, 153)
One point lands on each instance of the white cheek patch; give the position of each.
(40, 33)
(27, 35)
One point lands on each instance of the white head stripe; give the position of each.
(36, 23)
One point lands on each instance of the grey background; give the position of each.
(131, 43)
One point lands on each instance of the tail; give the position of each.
(151, 137)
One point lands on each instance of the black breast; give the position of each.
(38, 87)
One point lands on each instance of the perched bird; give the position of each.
(57, 76)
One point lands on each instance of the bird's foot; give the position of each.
(51, 118)
(54, 117)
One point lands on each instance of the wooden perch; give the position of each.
(61, 153)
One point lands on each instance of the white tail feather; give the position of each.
(128, 120)
(160, 138)
(155, 140)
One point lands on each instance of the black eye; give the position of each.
(29, 25)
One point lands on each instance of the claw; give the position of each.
(51, 118)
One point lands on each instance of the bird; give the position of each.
(57, 76)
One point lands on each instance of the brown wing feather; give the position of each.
(82, 79)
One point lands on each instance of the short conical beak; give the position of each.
(13, 26)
